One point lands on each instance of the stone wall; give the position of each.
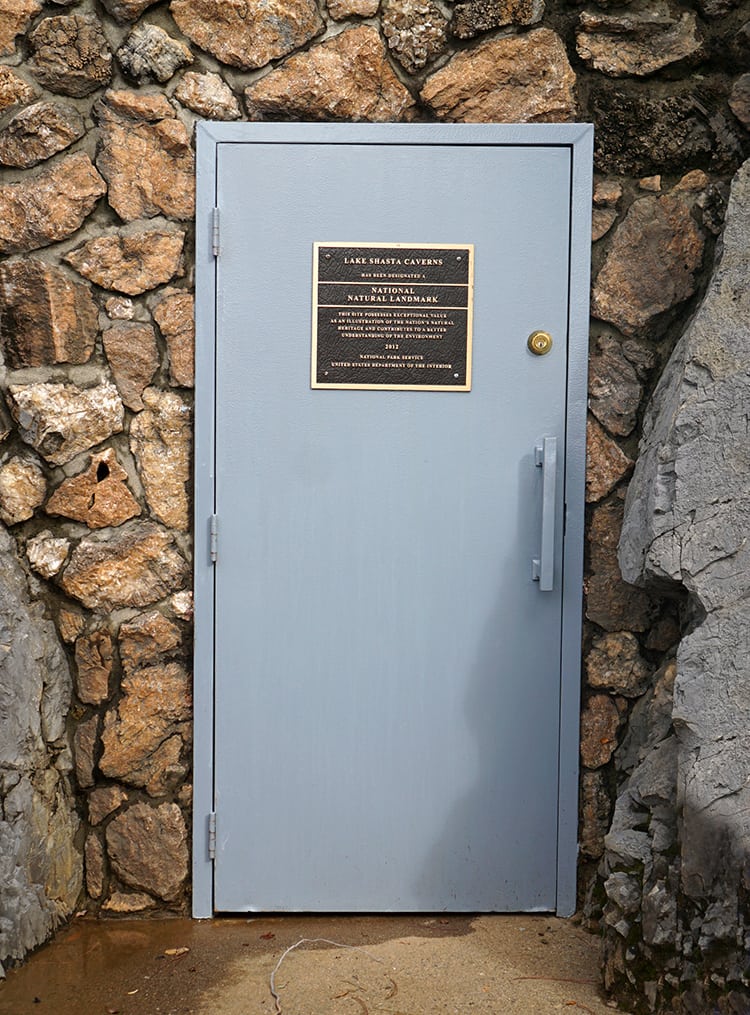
(678, 852)
(97, 105)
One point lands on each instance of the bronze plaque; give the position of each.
(392, 315)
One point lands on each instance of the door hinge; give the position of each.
(212, 835)
(213, 539)
(215, 232)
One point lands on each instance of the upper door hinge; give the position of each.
(212, 835)
(215, 232)
(213, 539)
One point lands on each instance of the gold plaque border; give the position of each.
(317, 244)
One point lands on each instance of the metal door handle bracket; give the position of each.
(543, 567)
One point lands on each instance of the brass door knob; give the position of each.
(540, 343)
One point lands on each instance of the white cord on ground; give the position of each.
(312, 941)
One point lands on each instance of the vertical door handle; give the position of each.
(543, 567)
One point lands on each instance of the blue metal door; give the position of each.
(387, 661)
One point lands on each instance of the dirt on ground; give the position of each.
(314, 965)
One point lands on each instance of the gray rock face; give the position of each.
(686, 520)
(149, 53)
(688, 505)
(40, 867)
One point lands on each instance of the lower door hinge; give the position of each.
(213, 539)
(212, 835)
(215, 232)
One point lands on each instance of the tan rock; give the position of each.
(616, 373)
(342, 9)
(600, 720)
(119, 308)
(175, 315)
(160, 439)
(99, 496)
(6, 423)
(475, 16)
(70, 54)
(151, 54)
(615, 663)
(739, 100)
(94, 859)
(62, 420)
(38, 132)
(148, 849)
(104, 801)
(128, 902)
(651, 266)
(46, 317)
(248, 33)
(692, 182)
(595, 814)
(606, 463)
(70, 624)
(93, 655)
(144, 735)
(610, 602)
(637, 42)
(416, 31)
(22, 489)
(47, 553)
(182, 605)
(208, 95)
(607, 193)
(84, 745)
(651, 183)
(127, 10)
(602, 220)
(48, 206)
(145, 639)
(14, 91)
(133, 568)
(133, 357)
(15, 18)
(146, 106)
(517, 78)
(130, 261)
(149, 166)
(346, 78)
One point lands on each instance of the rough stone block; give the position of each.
(148, 850)
(160, 439)
(147, 160)
(62, 420)
(131, 260)
(248, 33)
(135, 567)
(416, 31)
(46, 317)
(651, 266)
(48, 206)
(38, 132)
(99, 496)
(516, 78)
(144, 736)
(93, 655)
(348, 77)
(133, 357)
(70, 54)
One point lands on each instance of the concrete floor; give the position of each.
(405, 965)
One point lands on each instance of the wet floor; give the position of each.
(345, 965)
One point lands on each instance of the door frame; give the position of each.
(578, 138)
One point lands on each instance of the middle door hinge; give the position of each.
(215, 233)
(213, 539)
(212, 835)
